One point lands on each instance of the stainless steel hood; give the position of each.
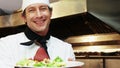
(68, 7)
(106, 10)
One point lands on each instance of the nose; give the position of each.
(38, 13)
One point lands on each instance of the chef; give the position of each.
(37, 16)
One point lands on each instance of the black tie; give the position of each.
(43, 44)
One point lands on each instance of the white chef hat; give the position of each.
(26, 3)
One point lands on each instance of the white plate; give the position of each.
(74, 64)
(68, 65)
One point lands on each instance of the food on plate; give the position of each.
(57, 62)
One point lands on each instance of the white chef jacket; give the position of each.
(11, 51)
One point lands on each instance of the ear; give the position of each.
(51, 12)
(23, 17)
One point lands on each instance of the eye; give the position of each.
(31, 10)
(44, 8)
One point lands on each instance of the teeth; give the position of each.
(39, 22)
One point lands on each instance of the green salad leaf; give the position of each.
(26, 62)
(57, 62)
(58, 59)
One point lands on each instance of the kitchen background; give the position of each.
(91, 26)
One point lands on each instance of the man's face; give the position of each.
(38, 17)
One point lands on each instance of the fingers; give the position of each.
(70, 59)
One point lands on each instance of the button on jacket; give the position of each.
(11, 51)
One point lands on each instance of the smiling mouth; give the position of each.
(40, 22)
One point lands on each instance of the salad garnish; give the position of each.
(57, 62)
